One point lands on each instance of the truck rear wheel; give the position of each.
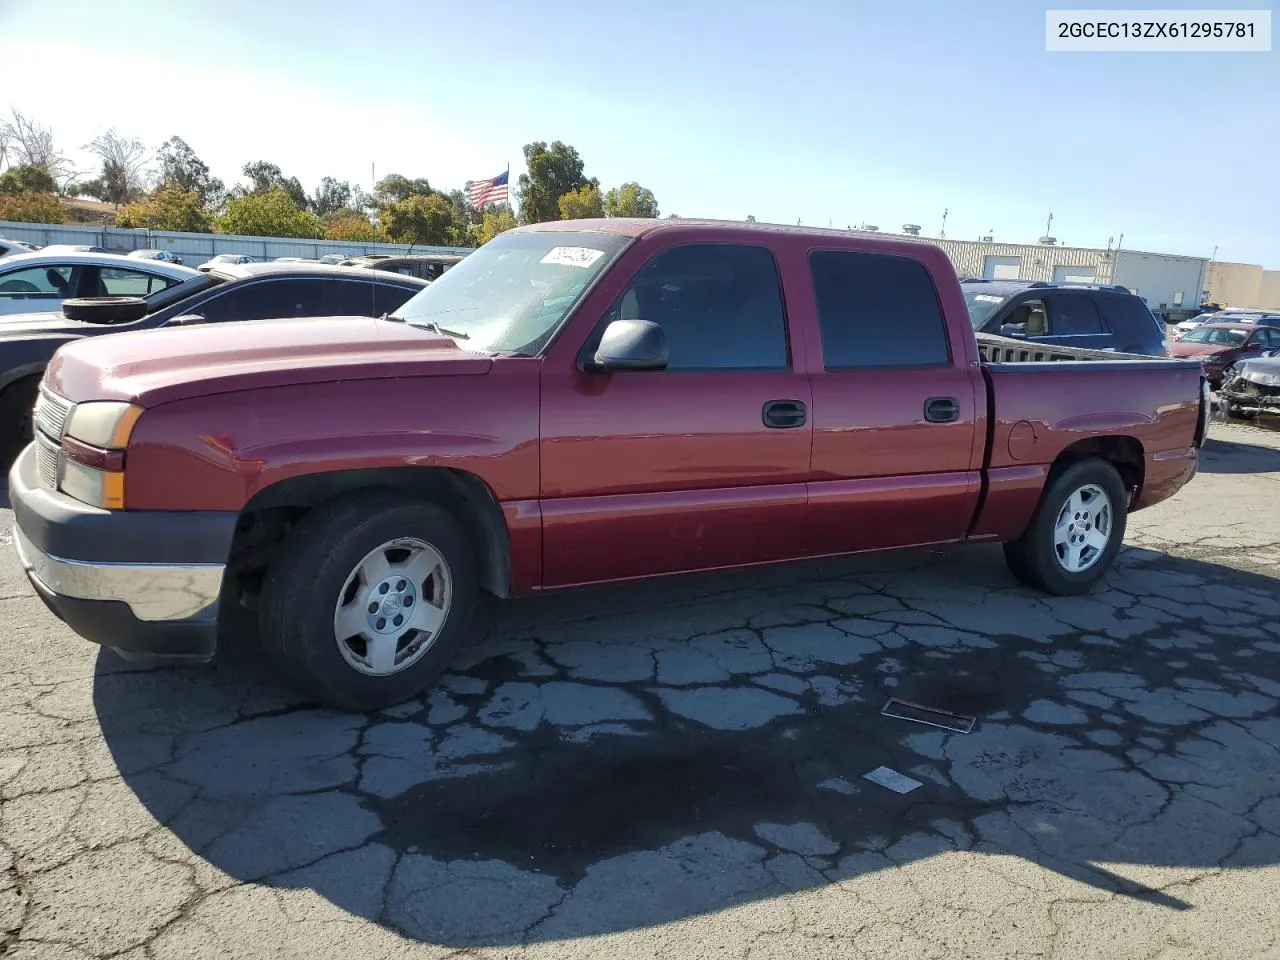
(368, 600)
(1076, 531)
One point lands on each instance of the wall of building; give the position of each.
(1269, 290)
(1235, 284)
(1032, 261)
(1167, 282)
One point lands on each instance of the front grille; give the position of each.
(47, 461)
(51, 413)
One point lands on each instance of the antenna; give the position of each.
(1049, 224)
(943, 233)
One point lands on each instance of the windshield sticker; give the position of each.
(573, 256)
(987, 298)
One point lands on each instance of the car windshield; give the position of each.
(511, 295)
(982, 305)
(1217, 335)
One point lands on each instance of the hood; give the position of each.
(23, 326)
(156, 366)
(1180, 348)
(1264, 371)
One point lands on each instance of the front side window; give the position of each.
(263, 300)
(43, 282)
(719, 306)
(877, 310)
(512, 294)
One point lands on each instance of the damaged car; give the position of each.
(1252, 386)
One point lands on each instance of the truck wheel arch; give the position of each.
(1124, 453)
(465, 495)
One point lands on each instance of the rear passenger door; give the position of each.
(896, 450)
(1074, 321)
(703, 464)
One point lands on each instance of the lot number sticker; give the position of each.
(987, 298)
(573, 256)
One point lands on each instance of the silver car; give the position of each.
(39, 282)
(164, 255)
(223, 260)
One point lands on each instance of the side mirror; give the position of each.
(185, 320)
(1016, 330)
(631, 345)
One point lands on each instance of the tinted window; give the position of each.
(1073, 315)
(114, 282)
(388, 298)
(46, 280)
(877, 310)
(268, 299)
(719, 305)
(1130, 320)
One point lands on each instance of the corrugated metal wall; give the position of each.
(195, 248)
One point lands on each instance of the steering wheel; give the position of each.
(18, 286)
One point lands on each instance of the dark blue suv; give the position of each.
(1065, 314)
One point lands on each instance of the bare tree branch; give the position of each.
(122, 159)
(23, 141)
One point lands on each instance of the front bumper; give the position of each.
(1251, 397)
(143, 582)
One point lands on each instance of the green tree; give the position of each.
(331, 195)
(553, 172)
(630, 200)
(395, 188)
(274, 213)
(419, 219)
(581, 204)
(265, 177)
(27, 178)
(33, 207)
(496, 220)
(181, 168)
(169, 208)
(352, 225)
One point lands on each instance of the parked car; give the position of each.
(73, 248)
(1251, 387)
(8, 247)
(1229, 315)
(31, 282)
(230, 292)
(1219, 346)
(164, 255)
(333, 258)
(1065, 314)
(224, 260)
(424, 266)
(576, 402)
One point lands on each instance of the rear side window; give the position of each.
(1073, 315)
(877, 310)
(1130, 320)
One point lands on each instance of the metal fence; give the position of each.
(195, 248)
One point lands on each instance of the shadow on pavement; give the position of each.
(1230, 456)
(705, 746)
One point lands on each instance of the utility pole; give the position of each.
(1049, 224)
(942, 235)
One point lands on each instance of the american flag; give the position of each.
(481, 193)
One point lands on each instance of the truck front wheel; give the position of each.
(368, 600)
(1076, 531)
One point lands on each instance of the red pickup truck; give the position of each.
(574, 403)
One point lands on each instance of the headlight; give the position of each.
(103, 423)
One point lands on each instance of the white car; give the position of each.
(39, 282)
(1229, 315)
(164, 255)
(8, 247)
(222, 260)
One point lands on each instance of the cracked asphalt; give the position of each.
(677, 770)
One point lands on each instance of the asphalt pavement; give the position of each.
(678, 770)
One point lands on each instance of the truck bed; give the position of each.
(997, 349)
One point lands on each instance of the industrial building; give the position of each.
(1244, 285)
(1169, 283)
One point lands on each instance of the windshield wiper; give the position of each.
(456, 334)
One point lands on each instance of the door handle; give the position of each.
(942, 409)
(784, 414)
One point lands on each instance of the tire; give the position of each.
(16, 426)
(104, 309)
(319, 566)
(1034, 558)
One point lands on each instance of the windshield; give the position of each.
(511, 295)
(1230, 338)
(981, 306)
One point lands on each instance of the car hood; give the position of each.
(1180, 348)
(1264, 371)
(152, 367)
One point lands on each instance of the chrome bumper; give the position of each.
(153, 591)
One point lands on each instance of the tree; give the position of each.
(581, 204)
(33, 208)
(265, 177)
(553, 172)
(181, 168)
(27, 178)
(496, 220)
(122, 159)
(273, 213)
(751, 218)
(169, 208)
(395, 188)
(419, 219)
(331, 195)
(352, 225)
(26, 143)
(630, 200)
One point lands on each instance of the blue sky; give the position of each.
(842, 112)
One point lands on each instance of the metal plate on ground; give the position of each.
(919, 713)
(892, 779)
